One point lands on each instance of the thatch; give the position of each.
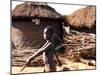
(34, 9)
(85, 17)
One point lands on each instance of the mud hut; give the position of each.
(28, 22)
(83, 19)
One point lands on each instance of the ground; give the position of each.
(67, 66)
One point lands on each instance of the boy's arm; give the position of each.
(39, 52)
(44, 44)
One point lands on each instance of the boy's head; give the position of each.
(48, 31)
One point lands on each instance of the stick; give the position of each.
(23, 68)
(59, 62)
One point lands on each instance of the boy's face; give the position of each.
(46, 35)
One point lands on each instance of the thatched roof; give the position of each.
(85, 17)
(34, 9)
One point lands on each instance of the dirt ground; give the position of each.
(67, 66)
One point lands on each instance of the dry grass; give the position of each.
(33, 9)
(85, 17)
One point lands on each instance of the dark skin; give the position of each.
(49, 54)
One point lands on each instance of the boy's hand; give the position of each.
(28, 61)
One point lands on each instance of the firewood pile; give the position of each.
(80, 45)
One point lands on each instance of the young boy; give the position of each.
(48, 51)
